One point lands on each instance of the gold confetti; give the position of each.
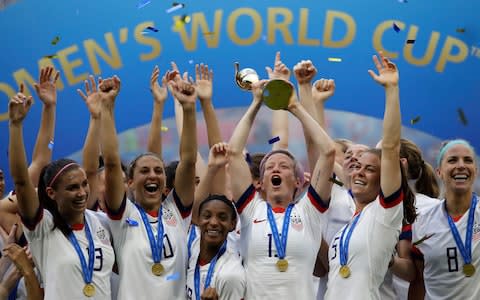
(51, 56)
(423, 239)
(164, 128)
(415, 120)
(334, 59)
(55, 40)
(335, 180)
(460, 30)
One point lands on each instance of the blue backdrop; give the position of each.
(438, 72)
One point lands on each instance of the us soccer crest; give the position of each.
(169, 218)
(296, 221)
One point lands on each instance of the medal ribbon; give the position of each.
(465, 250)
(156, 245)
(87, 271)
(211, 268)
(280, 245)
(344, 244)
(191, 238)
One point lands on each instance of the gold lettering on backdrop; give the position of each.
(303, 30)
(282, 25)
(93, 49)
(351, 29)
(69, 66)
(378, 36)
(9, 91)
(428, 55)
(198, 21)
(146, 40)
(22, 76)
(447, 55)
(232, 26)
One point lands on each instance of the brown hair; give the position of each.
(419, 170)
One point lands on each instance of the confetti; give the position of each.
(396, 28)
(55, 40)
(185, 19)
(50, 145)
(274, 140)
(164, 128)
(143, 3)
(152, 29)
(191, 61)
(334, 59)
(415, 120)
(131, 222)
(175, 7)
(462, 116)
(174, 276)
(403, 1)
(410, 41)
(460, 30)
(426, 237)
(335, 180)
(51, 56)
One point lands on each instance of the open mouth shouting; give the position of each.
(276, 180)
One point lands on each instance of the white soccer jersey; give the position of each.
(134, 255)
(443, 275)
(339, 213)
(424, 202)
(370, 250)
(59, 264)
(264, 280)
(228, 278)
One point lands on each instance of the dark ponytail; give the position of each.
(419, 170)
(49, 177)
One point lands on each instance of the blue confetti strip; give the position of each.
(274, 140)
(143, 3)
(131, 222)
(396, 28)
(173, 277)
(152, 29)
(175, 8)
(50, 145)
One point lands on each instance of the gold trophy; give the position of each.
(276, 93)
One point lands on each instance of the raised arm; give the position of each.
(323, 169)
(390, 177)
(184, 184)
(217, 160)
(91, 147)
(47, 92)
(203, 85)
(322, 90)
(114, 186)
(159, 93)
(27, 199)
(200, 166)
(238, 167)
(304, 72)
(279, 117)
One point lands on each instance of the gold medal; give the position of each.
(282, 265)
(89, 290)
(468, 270)
(344, 271)
(157, 269)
